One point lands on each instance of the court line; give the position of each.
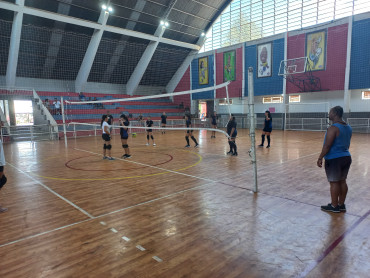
(96, 170)
(130, 177)
(44, 233)
(155, 167)
(53, 192)
(102, 215)
(332, 246)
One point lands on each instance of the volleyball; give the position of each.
(133, 135)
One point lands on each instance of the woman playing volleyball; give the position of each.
(106, 137)
(124, 123)
(189, 132)
(232, 132)
(267, 129)
(149, 132)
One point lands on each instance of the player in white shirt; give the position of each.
(106, 137)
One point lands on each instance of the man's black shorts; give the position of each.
(337, 168)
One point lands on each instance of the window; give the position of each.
(223, 101)
(366, 95)
(272, 100)
(295, 98)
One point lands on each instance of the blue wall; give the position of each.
(195, 79)
(360, 55)
(266, 85)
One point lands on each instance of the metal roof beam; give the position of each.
(145, 59)
(83, 73)
(94, 25)
(15, 40)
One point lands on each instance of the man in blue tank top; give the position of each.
(337, 159)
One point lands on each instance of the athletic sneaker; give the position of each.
(147, 144)
(187, 146)
(110, 158)
(268, 147)
(330, 208)
(124, 156)
(128, 156)
(196, 146)
(260, 145)
(3, 209)
(342, 208)
(230, 152)
(154, 144)
(105, 157)
(235, 154)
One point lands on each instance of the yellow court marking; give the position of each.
(131, 177)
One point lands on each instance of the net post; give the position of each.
(252, 130)
(227, 98)
(64, 122)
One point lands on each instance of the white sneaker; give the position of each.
(147, 144)
(154, 144)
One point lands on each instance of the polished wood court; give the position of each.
(176, 212)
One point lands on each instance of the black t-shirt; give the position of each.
(164, 118)
(214, 119)
(149, 123)
(188, 123)
(123, 129)
(230, 126)
(110, 119)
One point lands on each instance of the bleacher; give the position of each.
(88, 113)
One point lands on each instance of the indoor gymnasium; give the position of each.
(184, 138)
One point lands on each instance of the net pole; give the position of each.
(252, 130)
(64, 122)
(227, 99)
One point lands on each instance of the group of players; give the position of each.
(107, 121)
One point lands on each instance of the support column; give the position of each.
(285, 100)
(135, 14)
(15, 40)
(176, 78)
(145, 59)
(347, 93)
(83, 73)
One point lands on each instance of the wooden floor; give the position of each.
(176, 212)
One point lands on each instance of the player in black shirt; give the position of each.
(163, 122)
(149, 132)
(124, 123)
(232, 132)
(214, 124)
(267, 129)
(189, 132)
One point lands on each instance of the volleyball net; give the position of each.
(82, 116)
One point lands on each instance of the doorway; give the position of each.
(23, 112)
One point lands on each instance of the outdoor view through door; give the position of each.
(23, 112)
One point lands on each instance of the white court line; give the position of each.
(141, 248)
(52, 191)
(153, 200)
(147, 165)
(44, 233)
(158, 259)
(125, 238)
(114, 230)
(113, 212)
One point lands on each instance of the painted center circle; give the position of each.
(71, 163)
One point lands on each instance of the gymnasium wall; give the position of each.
(360, 54)
(235, 87)
(265, 85)
(195, 78)
(332, 76)
(184, 85)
